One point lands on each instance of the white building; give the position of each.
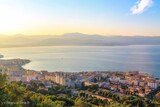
(153, 84)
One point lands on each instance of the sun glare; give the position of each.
(11, 19)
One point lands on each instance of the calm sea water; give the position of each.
(89, 58)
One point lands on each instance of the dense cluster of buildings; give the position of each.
(116, 82)
(130, 82)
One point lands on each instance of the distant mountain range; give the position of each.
(76, 39)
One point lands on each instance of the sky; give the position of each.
(106, 17)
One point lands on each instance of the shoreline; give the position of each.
(20, 63)
(11, 66)
(76, 46)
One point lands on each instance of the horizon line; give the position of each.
(19, 34)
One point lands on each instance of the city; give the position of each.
(79, 53)
(103, 85)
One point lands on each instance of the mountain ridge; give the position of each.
(79, 39)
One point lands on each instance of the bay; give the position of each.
(142, 58)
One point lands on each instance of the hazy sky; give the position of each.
(107, 17)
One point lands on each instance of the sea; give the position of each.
(144, 58)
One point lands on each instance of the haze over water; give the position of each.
(89, 58)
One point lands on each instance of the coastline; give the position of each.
(19, 64)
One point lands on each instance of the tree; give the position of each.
(80, 103)
(2, 80)
(59, 104)
(3, 94)
(15, 92)
(48, 103)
